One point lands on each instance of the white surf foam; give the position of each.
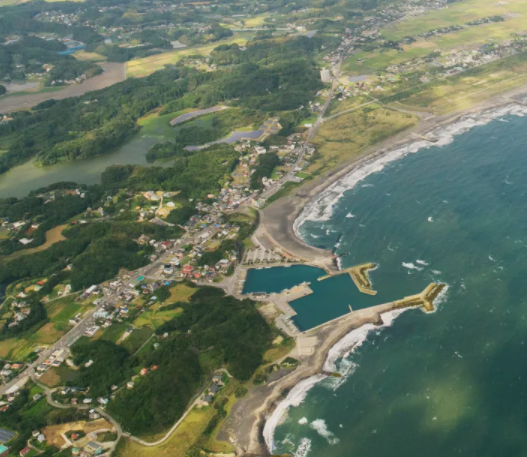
(411, 266)
(441, 298)
(295, 397)
(303, 448)
(303, 421)
(349, 215)
(320, 426)
(355, 338)
(422, 262)
(321, 208)
(340, 350)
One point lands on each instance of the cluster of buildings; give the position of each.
(20, 310)
(9, 370)
(214, 388)
(55, 360)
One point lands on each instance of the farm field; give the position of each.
(83, 55)
(256, 21)
(468, 88)
(456, 14)
(145, 66)
(155, 318)
(59, 312)
(53, 236)
(136, 339)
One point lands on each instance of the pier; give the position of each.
(359, 275)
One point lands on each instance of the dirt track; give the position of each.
(113, 73)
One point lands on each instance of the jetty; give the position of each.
(359, 275)
(424, 300)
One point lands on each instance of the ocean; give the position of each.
(453, 382)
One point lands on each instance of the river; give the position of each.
(447, 383)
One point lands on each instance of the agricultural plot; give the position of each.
(139, 68)
(456, 14)
(155, 318)
(471, 87)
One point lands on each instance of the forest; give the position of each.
(95, 252)
(271, 81)
(194, 176)
(231, 333)
(30, 53)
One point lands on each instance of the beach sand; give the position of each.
(245, 425)
(277, 221)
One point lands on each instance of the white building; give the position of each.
(325, 75)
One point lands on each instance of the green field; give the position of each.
(456, 14)
(136, 339)
(347, 136)
(114, 332)
(155, 318)
(459, 13)
(145, 66)
(468, 88)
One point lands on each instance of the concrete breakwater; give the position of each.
(245, 425)
(359, 275)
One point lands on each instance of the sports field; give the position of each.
(145, 66)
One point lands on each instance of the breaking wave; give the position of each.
(320, 426)
(411, 266)
(303, 448)
(355, 338)
(321, 208)
(295, 397)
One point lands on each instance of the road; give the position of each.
(66, 341)
(150, 270)
(312, 132)
(49, 398)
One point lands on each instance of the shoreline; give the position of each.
(279, 223)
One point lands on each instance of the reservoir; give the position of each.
(441, 384)
(20, 180)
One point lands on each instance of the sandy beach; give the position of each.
(245, 425)
(248, 416)
(278, 219)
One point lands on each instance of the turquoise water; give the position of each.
(449, 383)
(274, 280)
(331, 298)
